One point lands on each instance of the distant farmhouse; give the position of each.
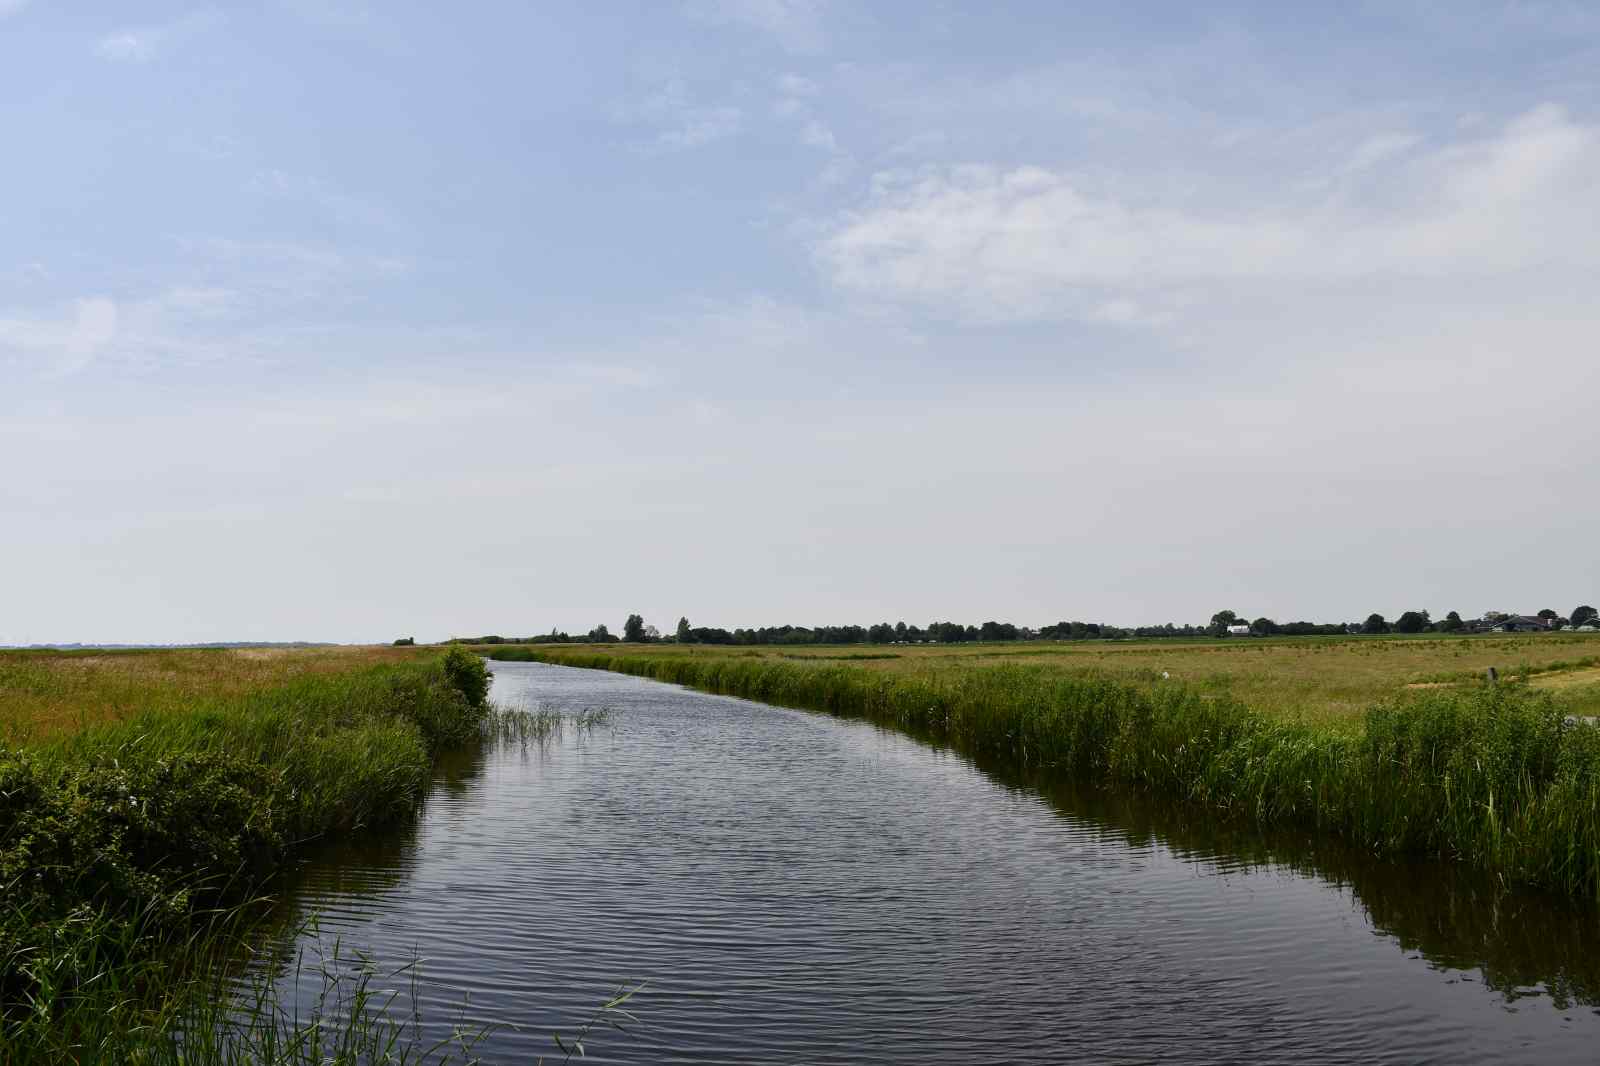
(1515, 623)
(1239, 631)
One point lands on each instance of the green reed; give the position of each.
(122, 844)
(519, 725)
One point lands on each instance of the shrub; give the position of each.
(468, 674)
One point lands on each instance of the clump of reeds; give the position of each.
(518, 725)
(1496, 777)
(332, 1007)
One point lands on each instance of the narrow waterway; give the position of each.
(793, 888)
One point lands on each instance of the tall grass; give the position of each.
(122, 843)
(1494, 777)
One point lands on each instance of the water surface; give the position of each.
(795, 888)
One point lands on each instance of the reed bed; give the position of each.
(1497, 777)
(127, 846)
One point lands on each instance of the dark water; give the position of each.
(799, 889)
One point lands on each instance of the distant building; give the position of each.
(1519, 623)
(1239, 631)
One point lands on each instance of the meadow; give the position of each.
(47, 694)
(147, 797)
(1399, 746)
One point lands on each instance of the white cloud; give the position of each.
(700, 126)
(795, 25)
(816, 135)
(1031, 242)
(129, 46)
(1377, 149)
(795, 85)
(274, 183)
(145, 43)
(65, 341)
(680, 121)
(293, 271)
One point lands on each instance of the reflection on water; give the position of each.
(796, 888)
(1518, 943)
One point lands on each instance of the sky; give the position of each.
(346, 321)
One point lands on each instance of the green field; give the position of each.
(1397, 745)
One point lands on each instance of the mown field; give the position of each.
(1396, 745)
(1315, 680)
(148, 798)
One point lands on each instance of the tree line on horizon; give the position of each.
(1224, 623)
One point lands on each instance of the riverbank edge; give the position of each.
(1497, 778)
(126, 850)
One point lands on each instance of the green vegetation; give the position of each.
(128, 844)
(1328, 681)
(1497, 777)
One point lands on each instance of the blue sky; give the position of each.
(337, 321)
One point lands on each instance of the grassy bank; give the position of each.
(126, 838)
(1496, 777)
(1315, 680)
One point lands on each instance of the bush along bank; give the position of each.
(1495, 777)
(121, 846)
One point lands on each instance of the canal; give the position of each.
(794, 888)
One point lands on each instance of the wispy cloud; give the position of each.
(681, 122)
(129, 46)
(234, 301)
(143, 44)
(1032, 242)
(277, 184)
(817, 135)
(796, 103)
(794, 25)
(795, 85)
(65, 341)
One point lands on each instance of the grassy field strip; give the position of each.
(1584, 675)
(46, 694)
(1496, 777)
(1316, 680)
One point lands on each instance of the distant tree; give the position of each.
(405, 642)
(1452, 622)
(997, 631)
(1220, 622)
(900, 631)
(633, 629)
(651, 635)
(1548, 615)
(1411, 622)
(685, 634)
(600, 635)
(1263, 627)
(1585, 615)
(882, 633)
(1374, 624)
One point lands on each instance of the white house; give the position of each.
(1239, 631)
